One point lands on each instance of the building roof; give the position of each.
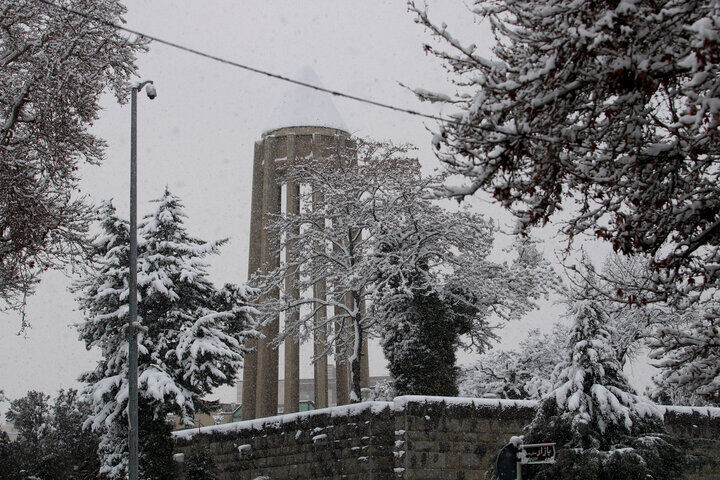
(305, 107)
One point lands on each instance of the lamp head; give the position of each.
(150, 90)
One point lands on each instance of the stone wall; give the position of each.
(411, 438)
(459, 440)
(353, 442)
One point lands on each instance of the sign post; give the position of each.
(512, 457)
(537, 453)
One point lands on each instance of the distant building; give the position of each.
(307, 389)
(227, 413)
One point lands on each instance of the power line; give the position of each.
(536, 137)
(246, 67)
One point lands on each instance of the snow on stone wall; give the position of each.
(411, 437)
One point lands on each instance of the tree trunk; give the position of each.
(355, 364)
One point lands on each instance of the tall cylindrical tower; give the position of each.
(305, 123)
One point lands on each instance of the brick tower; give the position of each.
(304, 123)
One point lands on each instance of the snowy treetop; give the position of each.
(305, 107)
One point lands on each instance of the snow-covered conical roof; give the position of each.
(305, 107)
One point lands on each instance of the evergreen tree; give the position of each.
(603, 429)
(424, 313)
(200, 467)
(9, 460)
(420, 347)
(51, 441)
(30, 416)
(71, 449)
(190, 341)
(104, 300)
(526, 372)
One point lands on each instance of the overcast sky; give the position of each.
(197, 137)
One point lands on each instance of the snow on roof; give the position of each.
(305, 107)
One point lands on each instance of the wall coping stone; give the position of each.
(400, 404)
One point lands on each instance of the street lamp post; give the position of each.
(132, 335)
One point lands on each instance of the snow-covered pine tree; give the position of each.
(103, 298)
(625, 288)
(683, 335)
(603, 429)
(191, 346)
(192, 339)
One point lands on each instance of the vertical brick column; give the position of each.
(291, 400)
(267, 378)
(249, 382)
(320, 335)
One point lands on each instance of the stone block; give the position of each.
(429, 474)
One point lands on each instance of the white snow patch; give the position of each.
(317, 438)
(516, 441)
(260, 423)
(712, 412)
(305, 107)
(398, 404)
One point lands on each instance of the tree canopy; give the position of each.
(605, 110)
(54, 67)
(368, 229)
(604, 430)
